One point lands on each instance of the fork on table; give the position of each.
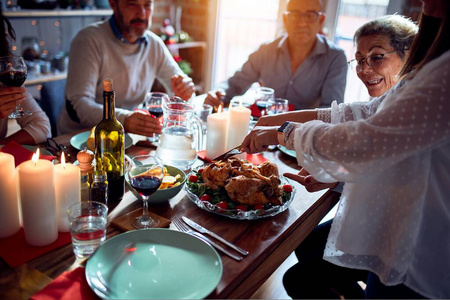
(184, 228)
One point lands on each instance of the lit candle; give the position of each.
(9, 204)
(216, 134)
(67, 191)
(238, 125)
(37, 198)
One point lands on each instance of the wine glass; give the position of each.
(153, 102)
(263, 94)
(277, 106)
(145, 177)
(13, 72)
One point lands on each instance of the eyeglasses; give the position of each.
(309, 16)
(56, 148)
(372, 61)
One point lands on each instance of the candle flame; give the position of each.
(63, 159)
(35, 156)
(219, 110)
(240, 102)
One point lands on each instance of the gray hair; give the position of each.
(398, 29)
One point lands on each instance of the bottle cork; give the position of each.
(108, 85)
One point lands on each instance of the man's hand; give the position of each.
(182, 86)
(9, 98)
(140, 123)
(214, 98)
(311, 184)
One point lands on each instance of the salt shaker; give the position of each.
(85, 163)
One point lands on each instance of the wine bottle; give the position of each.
(109, 145)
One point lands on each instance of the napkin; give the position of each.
(21, 154)
(255, 159)
(15, 250)
(70, 285)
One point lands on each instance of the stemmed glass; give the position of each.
(145, 177)
(13, 72)
(153, 102)
(263, 94)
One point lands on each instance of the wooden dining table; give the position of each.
(269, 240)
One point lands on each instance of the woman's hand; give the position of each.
(272, 120)
(311, 184)
(260, 138)
(182, 86)
(9, 98)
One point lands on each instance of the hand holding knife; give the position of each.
(202, 229)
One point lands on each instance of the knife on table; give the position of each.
(202, 229)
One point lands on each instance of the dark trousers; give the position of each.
(313, 278)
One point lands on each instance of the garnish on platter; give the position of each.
(238, 189)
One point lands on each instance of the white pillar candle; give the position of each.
(238, 125)
(9, 204)
(37, 198)
(67, 191)
(216, 134)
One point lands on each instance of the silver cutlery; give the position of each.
(184, 228)
(229, 153)
(202, 229)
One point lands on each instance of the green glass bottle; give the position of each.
(109, 145)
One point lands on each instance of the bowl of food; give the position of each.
(172, 183)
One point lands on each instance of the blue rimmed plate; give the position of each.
(154, 263)
(287, 151)
(79, 141)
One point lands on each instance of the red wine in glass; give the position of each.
(155, 110)
(145, 185)
(13, 78)
(13, 72)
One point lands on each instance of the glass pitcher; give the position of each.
(181, 135)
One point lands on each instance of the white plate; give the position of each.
(154, 264)
(79, 141)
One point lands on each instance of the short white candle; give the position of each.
(67, 191)
(37, 197)
(238, 125)
(9, 204)
(216, 134)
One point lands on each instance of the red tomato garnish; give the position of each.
(258, 206)
(200, 171)
(287, 188)
(241, 207)
(223, 204)
(205, 197)
(193, 178)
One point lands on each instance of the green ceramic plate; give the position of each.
(154, 264)
(79, 141)
(161, 196)
(286, 151)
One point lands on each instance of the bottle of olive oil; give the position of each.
(109, 145)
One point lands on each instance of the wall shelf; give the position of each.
(41, 78)
(42, 13)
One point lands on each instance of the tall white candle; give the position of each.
(238, 125)
(9, 204)
(67, 191)
(216, 134)
(37, 197)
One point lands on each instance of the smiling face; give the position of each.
(383, 75)
(133, 17)
(301, 31)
